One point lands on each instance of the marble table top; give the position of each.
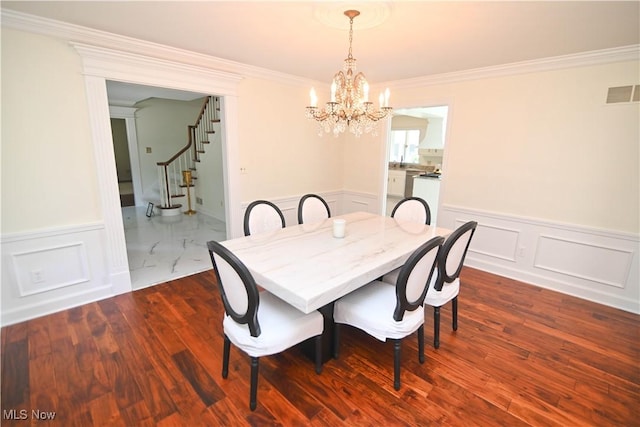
(307, 267)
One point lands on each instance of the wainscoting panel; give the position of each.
(494, 241)
(594, 264)
(51, 270)
(359, 202)
(44, 272)
(289, 205)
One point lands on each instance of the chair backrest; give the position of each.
(238, 289)
(454, 250)
(261, 216)
(414, 277)
(412, 209)
(312, 208)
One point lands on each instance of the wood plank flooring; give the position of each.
(522, 355)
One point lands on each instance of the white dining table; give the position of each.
(308, 268)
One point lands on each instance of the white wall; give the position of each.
(542, 145)
(550, 173)
(281, 153)
(47, 156)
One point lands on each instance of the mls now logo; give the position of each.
(23, 414)
(14, 414)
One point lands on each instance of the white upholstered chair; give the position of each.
(391, 311)
(447, 282)
(412, 209)
(262, 216)
(258, 323)
(312, 208)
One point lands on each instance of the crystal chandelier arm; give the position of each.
(341, 82)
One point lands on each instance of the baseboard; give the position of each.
(31, 310)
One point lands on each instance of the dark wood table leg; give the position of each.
(308, 346)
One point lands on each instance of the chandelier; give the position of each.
(349, 107)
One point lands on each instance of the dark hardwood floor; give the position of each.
(522, 356)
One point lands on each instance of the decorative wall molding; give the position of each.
(604, 56)
(489, 238)
(45, 269)
(51, 270)
(121, 65)
(584, 260)
(101, 64)
(593, 264)
(84, 35)
(289, 205)
(102, 142)
(50, 232)
(353, 201)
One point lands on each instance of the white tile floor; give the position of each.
(160, 248)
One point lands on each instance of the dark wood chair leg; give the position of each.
(436, 327)
(421, 343)
(318, 346)
(454, 309)
(225, 357)
(336, 340)
(253, 392)
(396, 364)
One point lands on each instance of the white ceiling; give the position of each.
(404, 39)
(127, 94)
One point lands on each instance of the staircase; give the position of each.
(171, 173)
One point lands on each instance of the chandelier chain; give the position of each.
(350, 37)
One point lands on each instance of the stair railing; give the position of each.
(170, 171)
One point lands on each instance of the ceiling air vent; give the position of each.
(623, 94)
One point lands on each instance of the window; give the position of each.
(404, 146)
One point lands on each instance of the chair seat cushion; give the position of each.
(371, 308)
(439, 298)
(282, 326)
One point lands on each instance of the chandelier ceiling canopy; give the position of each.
(349, 106)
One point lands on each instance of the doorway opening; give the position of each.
(123, 161)
(416, 153)
(161, 248)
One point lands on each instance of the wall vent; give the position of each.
(623, 94)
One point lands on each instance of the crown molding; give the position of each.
(583, 59)
(77, 34)
(84, 35)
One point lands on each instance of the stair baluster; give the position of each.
(170, 172)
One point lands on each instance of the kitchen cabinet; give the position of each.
(431, 152)
(395, 183)
(428, 189)
(435, 134)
